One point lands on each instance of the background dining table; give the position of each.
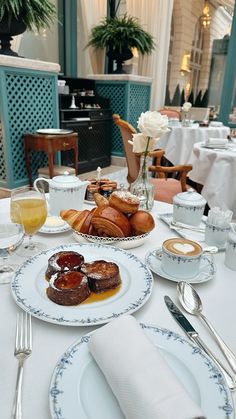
(178, 143)
(215, 169)
(50, 341)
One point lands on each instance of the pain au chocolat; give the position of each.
(101, 275)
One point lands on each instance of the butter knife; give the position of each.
(194, 337)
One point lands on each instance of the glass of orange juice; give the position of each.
(29, 208)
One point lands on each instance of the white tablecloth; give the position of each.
(178, 143)
(216, 171)
(50, 341)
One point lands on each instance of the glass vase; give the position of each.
(142, 186)
(185, 120)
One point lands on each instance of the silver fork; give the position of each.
(23, 349)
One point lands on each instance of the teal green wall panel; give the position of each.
(28, 101)
(128, 99)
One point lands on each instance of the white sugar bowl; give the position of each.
(188, 207)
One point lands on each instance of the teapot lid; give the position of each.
(66, 178)
(191, 197)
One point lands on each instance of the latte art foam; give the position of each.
(183, 247)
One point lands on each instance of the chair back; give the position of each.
(133, 161)
(171, 113)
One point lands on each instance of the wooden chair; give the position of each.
(165, 187)
(171, 113)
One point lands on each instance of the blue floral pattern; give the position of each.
(138, 297)
(168, 339)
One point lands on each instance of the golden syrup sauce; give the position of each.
(93, 298)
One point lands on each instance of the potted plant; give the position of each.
(120, 35)
(16, 16)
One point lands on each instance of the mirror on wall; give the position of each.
(198, 49)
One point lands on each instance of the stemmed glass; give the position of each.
(11, 236)
(29, 208)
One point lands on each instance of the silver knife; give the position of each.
(194, 336)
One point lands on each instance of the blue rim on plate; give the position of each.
(79, 389)
(29, 286)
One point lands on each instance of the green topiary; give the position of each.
(35, 14)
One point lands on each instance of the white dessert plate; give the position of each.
(78, 388)
(54, 131)
(206, 272)
(29, 286)
(122, 242)
(54, 225)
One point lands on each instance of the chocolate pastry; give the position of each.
(68, 288)
(101, 275)
(64, 261)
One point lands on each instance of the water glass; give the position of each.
(11, 236)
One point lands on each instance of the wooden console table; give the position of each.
(50, 144)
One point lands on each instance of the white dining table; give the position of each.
(50, 341)
(178, 143)
(215, 169)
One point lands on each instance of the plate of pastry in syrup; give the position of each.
(82, 284)
(115, 220)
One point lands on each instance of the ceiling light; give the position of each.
(205, 18)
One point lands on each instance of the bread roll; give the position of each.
(141, 222)
(124, 201)
(109, 222)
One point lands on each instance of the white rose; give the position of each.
(153, 124)
(186, 106)
(139, 143)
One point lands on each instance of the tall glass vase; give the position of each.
(142, 186)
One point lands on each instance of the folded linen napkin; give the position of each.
(216, 141)
(138, 375)
(216, 124)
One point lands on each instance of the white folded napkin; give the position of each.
(141, 380)
(216, 142)
(216, 124)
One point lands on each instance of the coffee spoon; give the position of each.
(192, 303)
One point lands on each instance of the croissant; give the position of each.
(109, 222)
(74, 218)
(100, 200)
(69, 215)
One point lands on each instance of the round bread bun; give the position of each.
(109, 222)
(141, 222)
(124, 201)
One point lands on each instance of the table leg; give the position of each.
(50, 164)
(76, 156)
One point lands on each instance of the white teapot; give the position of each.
(65, 192)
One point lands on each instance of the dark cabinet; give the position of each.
(92, 119)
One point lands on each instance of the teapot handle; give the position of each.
(37, 189)
(37, 180)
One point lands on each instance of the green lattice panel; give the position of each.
(139, 98)
(30, 107)
(116, 93)
(3, 172)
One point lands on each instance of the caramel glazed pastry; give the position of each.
(101, 275)
(71, 281)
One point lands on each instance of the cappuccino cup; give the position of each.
(181, 257)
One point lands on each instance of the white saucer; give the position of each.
(206, 272)
(54, 227)
(54, 131)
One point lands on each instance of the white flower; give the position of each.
(186, 106)
(153, 124)
(139, 143)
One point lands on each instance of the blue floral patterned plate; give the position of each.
(29, 287)
(79, 390)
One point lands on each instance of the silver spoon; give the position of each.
(191, 302)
